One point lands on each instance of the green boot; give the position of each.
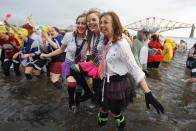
(120, 121)
(102, 119)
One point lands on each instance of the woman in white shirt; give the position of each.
(117, 61)
(91, 67)
(75, 45)
(94, 55)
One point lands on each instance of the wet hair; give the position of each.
(116, 24)
(56, 29)
(89, 35)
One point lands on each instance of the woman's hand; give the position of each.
(29, 17)
(6, 22)
(45, 34)
(150, 99)
(26, 55)
(43, 56)
(15, 56)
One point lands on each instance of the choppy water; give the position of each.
(36, 106)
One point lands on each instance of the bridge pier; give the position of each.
(192, 31)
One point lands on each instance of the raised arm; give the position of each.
(31, 21)
(53, 44)
(10, 25)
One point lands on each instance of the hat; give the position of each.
(3, 29)
(46, 28)
(11, 31)
(23, 31)
(125, 29)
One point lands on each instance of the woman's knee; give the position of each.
(37, 72)
(54, 77)
(28, 70)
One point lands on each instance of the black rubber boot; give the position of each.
(71, 92)
(80, 78)
(102, 119)
(28, 76)
(6, 67)
(58, 85)
(48, 70)
(16, 69)
(96, 99)
(77, 97)
(2, 57)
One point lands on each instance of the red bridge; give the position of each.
(162, 24)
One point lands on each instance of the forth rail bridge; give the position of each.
(162, 24)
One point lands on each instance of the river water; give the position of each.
(36, 106)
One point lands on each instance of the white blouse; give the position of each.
(69, 42)
(120, 61)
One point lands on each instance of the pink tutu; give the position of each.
(88, 67)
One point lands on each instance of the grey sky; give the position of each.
(62, 13)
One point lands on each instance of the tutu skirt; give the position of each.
(66, 69)
(90, 69)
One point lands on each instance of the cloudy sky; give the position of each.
(62, 13)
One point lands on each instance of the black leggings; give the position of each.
(153, 64)
(80, 78)
(2, 56)
(115, 106)
(97, 83)
(6, 67)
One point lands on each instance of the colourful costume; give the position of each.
(75, 52)
(10, 50)
(116, 91)
(36, 48)
(96, 54)
(55, 65)
(168, 47)
(155, 59)
(140, 49)
(10, 46)
(90, 68)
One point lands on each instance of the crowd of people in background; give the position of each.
(99, 59)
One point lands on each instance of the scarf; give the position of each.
(103, 62)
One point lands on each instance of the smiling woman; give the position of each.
(117, 62)
(75, 46)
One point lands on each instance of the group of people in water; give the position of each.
(97, 60)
